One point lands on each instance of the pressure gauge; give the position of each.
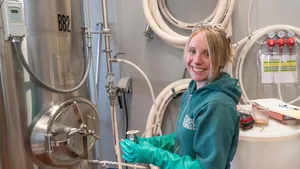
(291, 34)
(271, 34)
(281, 34)
(110, 77)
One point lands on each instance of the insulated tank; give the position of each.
(40, 128)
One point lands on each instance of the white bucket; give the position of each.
(275, 147)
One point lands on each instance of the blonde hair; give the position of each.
(219, 48)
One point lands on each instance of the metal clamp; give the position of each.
(106, 32)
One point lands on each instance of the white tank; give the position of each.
(275, 147)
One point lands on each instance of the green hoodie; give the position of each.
(208, 123)
(207, 130)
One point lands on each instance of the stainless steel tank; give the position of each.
(38, 126)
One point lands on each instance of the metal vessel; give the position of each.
(38, 126)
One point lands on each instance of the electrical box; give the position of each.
(13, 16)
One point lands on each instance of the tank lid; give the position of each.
(63, 135)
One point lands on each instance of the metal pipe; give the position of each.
(106, 33)
(99, 47)
(97, 32)
(111, 88)
(87, 39)
(115, 133)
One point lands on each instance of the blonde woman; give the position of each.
(207, 130)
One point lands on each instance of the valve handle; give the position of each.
(78, 114)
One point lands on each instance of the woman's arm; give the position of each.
(165, 142)
(214, 142)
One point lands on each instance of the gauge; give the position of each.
(281, 33)
(110, 77)
(291, 34)
(271, 34)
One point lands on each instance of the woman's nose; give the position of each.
(197, 59)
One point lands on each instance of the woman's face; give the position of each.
(197, 59)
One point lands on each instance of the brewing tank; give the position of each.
(38, 127)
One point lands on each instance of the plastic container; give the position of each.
(277, 146)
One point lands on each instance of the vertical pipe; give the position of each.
(111, 90)
(87, 45)
(98, 55)
(106, 36)
(115, 133)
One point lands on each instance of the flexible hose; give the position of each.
(228, 14)
(174, 21)
(18, 48)
(155, 120)
(146, 78)
(189, 26)
(177, 40)
(247, 43)
(157, 112)
(163, 99)
(157, 24)
(248, 16)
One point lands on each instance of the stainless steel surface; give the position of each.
(56, 57)
(62, 135)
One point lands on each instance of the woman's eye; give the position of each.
(192, 51)
(207, 54)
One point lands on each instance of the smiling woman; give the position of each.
(207, 129)
(203, 57)
(197, 59)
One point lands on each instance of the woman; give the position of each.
(207, 130)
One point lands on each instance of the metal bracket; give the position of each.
(148, 33)
(125, 85)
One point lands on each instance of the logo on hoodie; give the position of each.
(188, 123)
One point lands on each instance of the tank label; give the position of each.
(64, 23)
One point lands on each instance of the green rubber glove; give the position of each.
(148, 154)
(165, 142)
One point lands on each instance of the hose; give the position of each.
(174, 21)
(18, 48)
(155, 20)
(154, 120)
(146, 78)
(245, 45)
